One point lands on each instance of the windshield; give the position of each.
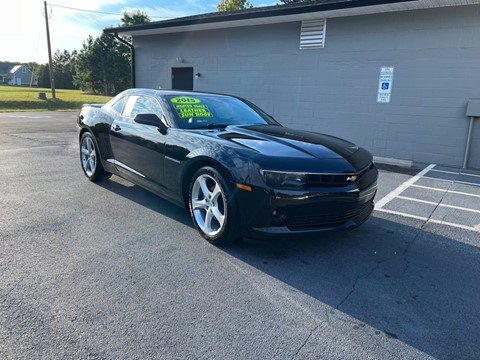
(203, 111)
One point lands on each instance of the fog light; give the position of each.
(279, 215)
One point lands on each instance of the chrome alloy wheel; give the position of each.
(208, 205)
(89, 156)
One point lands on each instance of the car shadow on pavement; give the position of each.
(147, 199)
(409, 284)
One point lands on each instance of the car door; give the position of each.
(138, 149)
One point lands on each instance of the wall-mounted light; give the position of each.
(197, 75)
(179, 60)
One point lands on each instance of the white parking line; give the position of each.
(452, 181)
(441, 222)
(403, 214)
(437, 204)
(445, 190)
(455, 173)
(28, 116)
(392, 195)
(411, 183)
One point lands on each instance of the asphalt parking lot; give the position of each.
(110, 271)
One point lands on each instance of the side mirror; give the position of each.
(151, 119)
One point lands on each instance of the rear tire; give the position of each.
(90, 159)
(212, 206)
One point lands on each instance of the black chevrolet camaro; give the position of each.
(238, 171)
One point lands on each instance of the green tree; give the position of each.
(63, 65)
(135, 17)
(43, 75)
(114, 64)
(86, 73)
(103, 64)
(230, 5)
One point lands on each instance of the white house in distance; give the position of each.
(17, 74)
(398, 77)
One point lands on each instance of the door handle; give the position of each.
(117, 128)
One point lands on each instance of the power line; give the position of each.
(101, 12)
(91, 11)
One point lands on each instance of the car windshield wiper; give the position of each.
(211, 126)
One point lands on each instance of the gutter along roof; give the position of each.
(282, 13)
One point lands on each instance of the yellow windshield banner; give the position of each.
(189, 107)
(185, 100)
(190, 111)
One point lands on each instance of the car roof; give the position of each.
(163, 92)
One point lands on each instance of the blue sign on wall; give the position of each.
(385, 84)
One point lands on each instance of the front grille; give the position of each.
(324, 220)
(336, 180)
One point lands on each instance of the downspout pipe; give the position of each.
(132, 53)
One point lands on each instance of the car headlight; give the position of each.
(284, 180)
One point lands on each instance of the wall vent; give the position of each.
(312, 34)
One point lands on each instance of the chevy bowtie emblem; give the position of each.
(352, 178)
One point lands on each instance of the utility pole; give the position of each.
(50, 63)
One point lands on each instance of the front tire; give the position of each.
(212, 206)
(90, 159)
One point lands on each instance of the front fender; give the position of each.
(225, 157)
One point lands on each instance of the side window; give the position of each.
(139, 104)
(118, 106)
(127, 109)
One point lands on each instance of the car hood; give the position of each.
(285, 142)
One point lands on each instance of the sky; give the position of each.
(23, 32)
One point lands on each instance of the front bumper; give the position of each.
(306, 212)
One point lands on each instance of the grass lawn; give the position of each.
(16, 98)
